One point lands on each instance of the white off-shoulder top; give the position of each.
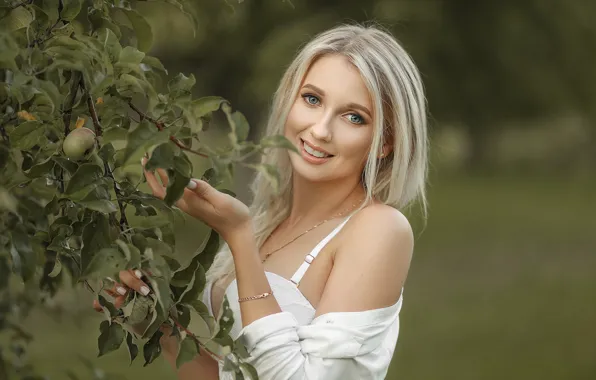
(293, 345)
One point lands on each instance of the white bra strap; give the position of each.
(313, 254)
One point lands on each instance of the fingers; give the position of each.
(132, 279)
(157, 188)
(201, 188)
(97, 306)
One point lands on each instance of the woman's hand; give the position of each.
(222, 212)
(129, 279)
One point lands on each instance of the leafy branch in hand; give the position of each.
(160, 126)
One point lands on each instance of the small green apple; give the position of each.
(79, 143)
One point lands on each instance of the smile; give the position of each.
(313, 155)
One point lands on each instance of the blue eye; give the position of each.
(311, 99)
(355, 118)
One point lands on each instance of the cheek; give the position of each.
(357, 146)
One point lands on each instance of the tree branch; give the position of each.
(108, 172)
(68, 104)
(92, 111)
(160, 126)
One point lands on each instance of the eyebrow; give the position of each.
(350, 105)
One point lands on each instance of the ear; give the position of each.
(387, 147)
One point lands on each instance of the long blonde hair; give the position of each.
(399, 104)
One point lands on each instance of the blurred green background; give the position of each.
(504, 274)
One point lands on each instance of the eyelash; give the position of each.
(305, 96)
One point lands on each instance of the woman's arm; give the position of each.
(202, 367)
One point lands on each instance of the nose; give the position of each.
(321, 130)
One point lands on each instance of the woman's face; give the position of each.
(331, 122)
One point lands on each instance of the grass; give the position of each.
(501, 287)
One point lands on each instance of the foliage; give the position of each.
(81, 101)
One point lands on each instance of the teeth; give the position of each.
(313, 152)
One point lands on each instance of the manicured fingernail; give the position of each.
(138, 273)
(192, 184)
(120, 290)
(144, 290)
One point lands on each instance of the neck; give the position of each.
(313, 202)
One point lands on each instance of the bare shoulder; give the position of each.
(381, 221)
(371, 261)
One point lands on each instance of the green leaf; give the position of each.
(66, 164)
(40, 169)
(201, 309)
(187, 352)
(141, 139)
(101, 205)
(96, 235)
(111, 43)
(18, 18)
(142, 29)
(26, 135)
(208, 253)
(108, 309)
(152, 349)
(162, 157)
(107, 152)
(70, 10)
(104, 263)
(141, 306)
(131, 55)
(225, 322)
(177, 182)
(133, 350)
(207, 105)
(182, 83)
(128, 85)
(57, 269)
(278, 141)
(240, 127)
(270, 173)
(154, 63)
(252, 372)
(114, 134)
(196, 287)
(83, 181)
(111, 337)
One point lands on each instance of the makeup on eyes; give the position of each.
(309, 95)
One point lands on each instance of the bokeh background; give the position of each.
(503, 281)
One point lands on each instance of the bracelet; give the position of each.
(250, 298)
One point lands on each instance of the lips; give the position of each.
(313, 160)
(312, 147)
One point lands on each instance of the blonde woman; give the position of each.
(315, 274)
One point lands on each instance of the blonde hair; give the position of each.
(399, 105)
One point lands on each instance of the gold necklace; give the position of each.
(310, 229)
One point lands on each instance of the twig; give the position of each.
(98, 131)
(92, 111)
(160, 126)
(124, 226)
(68, 104)
(194, 337)
(47, 35)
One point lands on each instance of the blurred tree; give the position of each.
(486, 65)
